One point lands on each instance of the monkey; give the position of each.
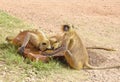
(36, 38)
(55, 41)
(31, 51)
(74, 50)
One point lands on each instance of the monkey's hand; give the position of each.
(55, 52)
(21, 50)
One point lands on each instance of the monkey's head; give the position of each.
(45, 45)
(67, 28)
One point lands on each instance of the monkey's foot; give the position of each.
(21, 50)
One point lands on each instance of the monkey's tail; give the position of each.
(107, 49)
(99, 68)
(9, 39)
(90, 66)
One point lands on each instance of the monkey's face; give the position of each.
(45, 45)
(67, 27)
(68, 31)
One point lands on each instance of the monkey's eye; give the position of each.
(43, 43)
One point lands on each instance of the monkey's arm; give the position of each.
(54, 52)
(72, 61)
(95, 47)
(26, 40)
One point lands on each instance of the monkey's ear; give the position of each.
(66, 27)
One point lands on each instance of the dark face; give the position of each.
(66, 27)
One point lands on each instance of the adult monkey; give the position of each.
(54, 42)
(74, 50)
(37, 38)
(32, 51)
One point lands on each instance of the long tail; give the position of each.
(107, 49)
(99, 68)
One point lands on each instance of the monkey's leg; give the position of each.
(29, 37)
(26, 40)
(72, 61)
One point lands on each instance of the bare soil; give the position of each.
(98, 23)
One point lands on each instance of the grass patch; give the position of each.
(46, 66)
(9, 54)
(9, 25)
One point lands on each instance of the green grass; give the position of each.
(10, 25)
(9, 54)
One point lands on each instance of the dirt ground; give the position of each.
(97, 21)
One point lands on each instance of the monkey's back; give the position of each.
(18, 40)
